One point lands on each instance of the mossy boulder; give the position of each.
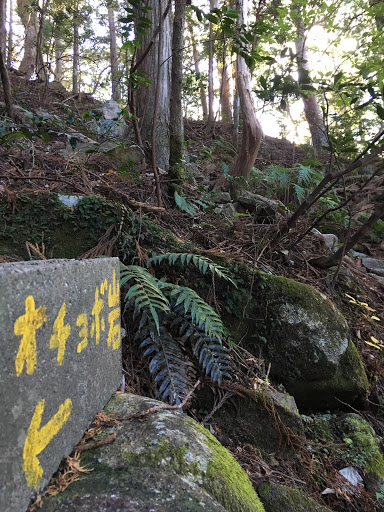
(306, 340)
(280, 498)
(265, 420)
(364, 449)
(166, 462)
(44, 219)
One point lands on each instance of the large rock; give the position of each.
(266, 210)
(265, 420)
(168, 462)
(280, 498)
(306, 339)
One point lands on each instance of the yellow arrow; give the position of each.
(38, 438)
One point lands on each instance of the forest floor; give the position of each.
(35, 165)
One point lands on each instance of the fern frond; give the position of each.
(145, 293)
(299, 191)
(304, 174)
(171, 371)
(186, 301)
(201, 262)
(213, 357)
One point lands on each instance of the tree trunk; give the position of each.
(312, 110)
(116, 94)
(41, 70)
(252, 132)
(225, 99)
(211, 116)
(3, 69)
(196, 60)
(3, 33)
(76, 58)
(176, 113)
(155, 71)
(10, 34)
(59, 51)
(29, 20)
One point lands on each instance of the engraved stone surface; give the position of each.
(60, 363)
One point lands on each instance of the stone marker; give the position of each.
(60, 363)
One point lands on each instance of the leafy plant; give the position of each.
(176, 328)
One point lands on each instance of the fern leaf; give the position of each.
(145, 293)
(201, 262)
(186, 301)
(300, 192)
(171, 371)
(304, 174)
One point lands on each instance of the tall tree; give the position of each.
(312, 110)
(10, 33)
(211, 92)
(3, 19)
(196, 62)
(176, 112)
(252, 131)
(28, 16)
(115, 75)
(152, 102)
(3, 70)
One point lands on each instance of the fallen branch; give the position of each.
(110, 438)
(159, 408)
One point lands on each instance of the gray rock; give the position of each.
(226, 210)
(113, 124)
(331, 241)
(251, 419)
(266, 209)
(373, 265)
(306, 340)
(217, 196)
(168, 462)
(281, 498)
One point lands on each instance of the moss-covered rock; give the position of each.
(167, 462)
(66, 232)
(265, 420)
(364, 448)
(306, 339)
(280, 498)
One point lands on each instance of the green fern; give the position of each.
(202, 314)
(201, 262)
(145, 293)
(170, 318)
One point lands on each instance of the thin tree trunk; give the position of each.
(312, 110)
(41, 70)
(252, 132)
(211, 117)
(225, 100)
(116, 94)
(3, 32)
(3, 70)
(236, 119)
(10, 34)
(76, 58)
(196, 61)
(29, 20)
(146, 93)
(59, 51)
(176, 114)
